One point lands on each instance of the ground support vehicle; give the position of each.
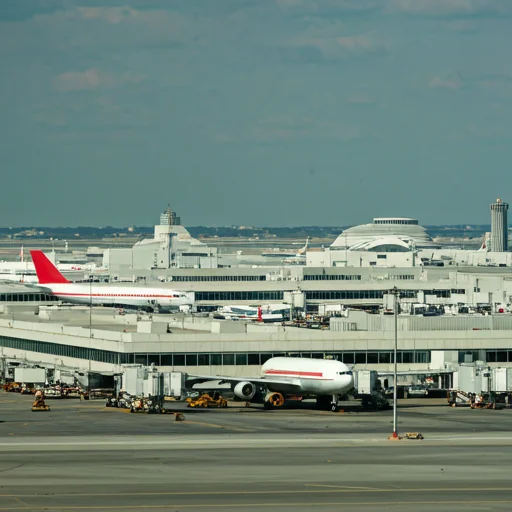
(207, 401)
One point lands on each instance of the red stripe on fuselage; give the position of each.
(67, 294)
(293, 373)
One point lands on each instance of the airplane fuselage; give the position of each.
(141, 296)
(316, 376)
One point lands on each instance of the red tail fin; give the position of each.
(46, 271)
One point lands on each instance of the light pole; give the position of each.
(396, 294)
(90, 332)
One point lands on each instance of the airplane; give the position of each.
(267, 313)
(104, 294)
(281, 376)
(300, 257)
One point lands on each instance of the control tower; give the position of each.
(168, 218)
(499, 226)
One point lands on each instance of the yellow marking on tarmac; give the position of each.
(350, 490)
(274, 505)
(117, 410)
(21, 502)
(215, 425)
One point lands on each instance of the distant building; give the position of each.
(499, 226)
(385, 228)
(172, 246)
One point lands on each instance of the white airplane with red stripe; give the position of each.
(52, 280)
(297, 376)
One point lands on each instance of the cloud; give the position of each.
(288, 128)
(111, 14)
(107, 28)
(454, 8)
(327, 7)
(496, 79)
(94, 79)
(451, 81)
(289, 3)
(361, 44)
(498, 84)
(14, 10)
(325, 41)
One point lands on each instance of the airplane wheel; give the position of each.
(334, 407)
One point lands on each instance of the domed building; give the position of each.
(385, 234)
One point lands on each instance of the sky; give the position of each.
(254, 112)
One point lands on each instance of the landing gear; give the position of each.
(323, 402)
(327, 402)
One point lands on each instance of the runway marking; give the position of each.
(335, 490)
(344, 487)
(342, 440)
(250, 505)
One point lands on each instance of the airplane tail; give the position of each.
(302, 251)
(46, 271)
(485, 242)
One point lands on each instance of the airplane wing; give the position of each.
(275, 384)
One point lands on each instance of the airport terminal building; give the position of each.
(341, 307)
(102, 339)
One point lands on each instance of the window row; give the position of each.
(257, 359)
(56, 349)
(258, 296)
(26, 297)
(445, 293)
(332, 277)
(499, 356)
(395, 222)
(439, 293)
(241, 359)
(356, 294)
(218, 278)
(207, 359)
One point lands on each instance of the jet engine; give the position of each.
(273, 399)
(245, 390)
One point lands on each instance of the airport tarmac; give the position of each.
(84, 456)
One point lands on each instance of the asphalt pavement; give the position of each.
(83, 456)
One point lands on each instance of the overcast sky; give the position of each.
(259, 112)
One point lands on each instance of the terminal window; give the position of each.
(241, 359)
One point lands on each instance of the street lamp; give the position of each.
(396, 293)
(90, 332)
